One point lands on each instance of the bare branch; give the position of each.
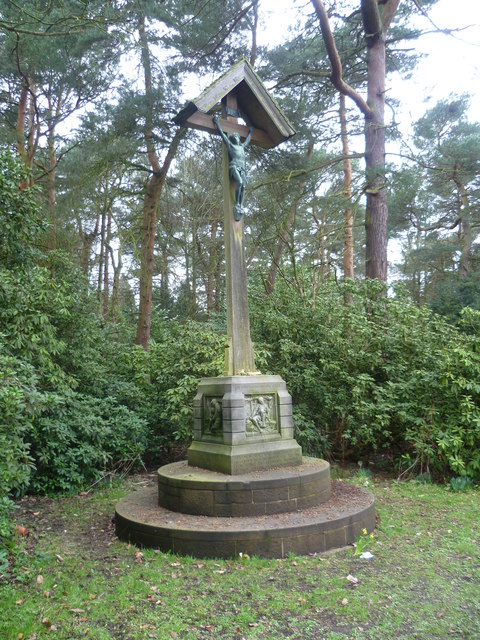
(388, 14)
(433, 227)
(296, 173)
(336, 76)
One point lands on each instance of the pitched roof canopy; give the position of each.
(256, 106)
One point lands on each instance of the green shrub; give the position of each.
(79, 438)
(379, 374)
(20, 401)
(60, 426)
(168, 375)
(461, 483)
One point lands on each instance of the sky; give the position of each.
(451, 63)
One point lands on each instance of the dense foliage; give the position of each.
(117, 222)
(378, 375)
(52, 436)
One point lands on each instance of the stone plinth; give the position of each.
(187, 489)
(243, 424)
(335, 523)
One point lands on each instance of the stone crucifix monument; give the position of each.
(245, 486)
(255, 410)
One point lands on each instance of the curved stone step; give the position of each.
(192, 490)
(334, 523)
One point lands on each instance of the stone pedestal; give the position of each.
(245, 487)
(243, 424)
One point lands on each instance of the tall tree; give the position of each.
(436, 198)
(153, 190)
(49, 72)
(376, 18)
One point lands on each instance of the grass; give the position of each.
(74, 579)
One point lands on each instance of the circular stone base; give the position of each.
(188, 489)
(332, 524)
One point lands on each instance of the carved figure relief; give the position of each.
(213, 422)
(260, 414)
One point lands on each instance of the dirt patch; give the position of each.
(84, 526)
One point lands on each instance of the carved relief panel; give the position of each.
(212, 417)
(261, 414)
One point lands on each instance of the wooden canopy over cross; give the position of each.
(240, 93)
(254, 104)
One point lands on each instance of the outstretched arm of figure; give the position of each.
(219, 129)
(249, 137)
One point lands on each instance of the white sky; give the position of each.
(452, 63)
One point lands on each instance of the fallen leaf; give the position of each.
(175, 564)
(49, 593)
(59, 558)
(345, 601)
(173, 634)
(352, 579)
(77, 610)
(253, 624)
(39, 579)
(53, 627)
(21, 530)
(208, 627)
(20, 636)
(19, 601)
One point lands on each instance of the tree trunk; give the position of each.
(212, 266)
(254, 27)
(376, 214)
(375, 27)
(465, 230)
(87, 242)
(347, 192)
(116, 283)
(27, 130)
(164, 277)
(21, 121)
(151, 197)
(106, 286)
(277, 256)
(101, 258)
(219, 283)
(466, 234)
(51, 171)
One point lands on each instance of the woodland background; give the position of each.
(111, 244)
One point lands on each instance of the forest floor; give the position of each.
(74, 579)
